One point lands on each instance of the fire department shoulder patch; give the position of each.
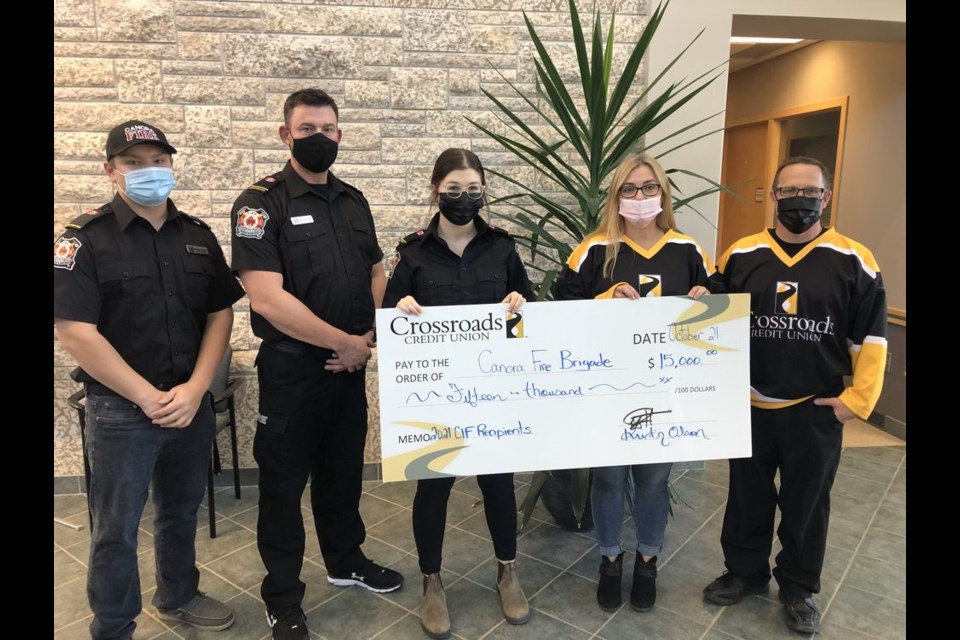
(65, 253)
(251, 223)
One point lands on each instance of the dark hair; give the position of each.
(453, 160)
(310, 97)
(803, 160)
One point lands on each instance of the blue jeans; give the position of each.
(651, 506)
(126, 451)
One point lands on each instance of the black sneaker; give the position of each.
(288, 623)
(608, 591)
(643, 595)
(803, 615)
(730, 589)
(370, 576)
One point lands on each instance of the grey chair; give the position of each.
(222, 393)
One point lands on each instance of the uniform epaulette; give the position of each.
(355, 193)
(499, 230)
(349, 187)
(195, 220)
(88, 216)
(411, 237)
(267, 183)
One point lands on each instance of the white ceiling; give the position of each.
(745, 55)
(811, 29)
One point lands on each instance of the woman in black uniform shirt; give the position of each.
(460, 259)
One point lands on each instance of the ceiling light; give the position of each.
(755, 40)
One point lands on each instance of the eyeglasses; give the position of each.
(474, 192)
(650, 190)
(807, 192)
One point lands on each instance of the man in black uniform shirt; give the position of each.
(143, 302)
(305, 248)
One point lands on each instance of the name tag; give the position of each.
(198, 249)
(301, 220)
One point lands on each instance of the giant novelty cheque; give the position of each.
(475, 389)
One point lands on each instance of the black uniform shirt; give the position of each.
(323, 242)
(148, 291)
(428, 270)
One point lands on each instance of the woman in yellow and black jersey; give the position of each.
(636, 252)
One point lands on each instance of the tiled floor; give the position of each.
(864, 579)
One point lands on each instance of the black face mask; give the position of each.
(315, 153)
(459, 211)
(798, 213)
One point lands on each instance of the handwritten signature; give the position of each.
(642, 417)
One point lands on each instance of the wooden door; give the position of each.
(744, 172)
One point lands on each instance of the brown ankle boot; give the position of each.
(433, 616)
(512, 600)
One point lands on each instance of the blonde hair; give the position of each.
(612, 224)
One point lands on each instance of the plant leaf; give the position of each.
(579, 490)
(546, 284)
(530, 500)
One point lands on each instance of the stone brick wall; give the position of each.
(214, 74)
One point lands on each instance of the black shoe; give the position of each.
(644, 592)
(288, 623)
(202, 612)
(730, 589)
(803, 615)
(369, 576)
(608, 591)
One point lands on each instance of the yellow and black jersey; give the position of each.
(671, 267)
(815, 317)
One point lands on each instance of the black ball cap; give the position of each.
(134, 132)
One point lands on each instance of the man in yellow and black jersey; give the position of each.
(818, 314)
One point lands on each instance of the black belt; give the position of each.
(97, 389)
(300, 349)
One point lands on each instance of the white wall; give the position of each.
(872, 203)
(683, 20)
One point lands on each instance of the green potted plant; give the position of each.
(590, 128)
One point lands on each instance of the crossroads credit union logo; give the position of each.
(514, 325)
(787, 298)
(465, 329)
(785, 322)
(650, 285)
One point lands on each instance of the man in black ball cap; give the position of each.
(142, 300)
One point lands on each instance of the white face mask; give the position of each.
(640, 210)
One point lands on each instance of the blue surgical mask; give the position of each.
(150, 186)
